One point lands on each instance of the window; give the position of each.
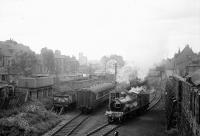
(117, 105)
(117, 95)
(3, 77)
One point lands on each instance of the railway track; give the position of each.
(103, 130)
(69, 129)
(154, 101)
(106, 129)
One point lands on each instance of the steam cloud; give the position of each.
(127, 73)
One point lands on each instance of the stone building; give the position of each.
(82, 59)
(65, 64)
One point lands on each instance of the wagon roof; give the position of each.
(99, 87)
(138, 90)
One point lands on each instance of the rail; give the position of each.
(154, 102)
(69, 128)
(103, 130)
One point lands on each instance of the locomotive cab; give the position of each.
(116, 106)
(120, 106)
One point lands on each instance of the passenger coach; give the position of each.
(89, 98)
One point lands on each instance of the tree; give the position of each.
(104, 61)
(119, 59)
(23, 63)
(48, 59)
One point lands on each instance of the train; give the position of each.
(183, 104)
(90, 98)
(85, 99)
(123, 103)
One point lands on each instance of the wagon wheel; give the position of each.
(121, 119)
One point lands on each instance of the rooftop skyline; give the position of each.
(142, 31)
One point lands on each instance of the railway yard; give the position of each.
(99, 68)
(96, 124)
(101, 107)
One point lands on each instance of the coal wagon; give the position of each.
(64, 101)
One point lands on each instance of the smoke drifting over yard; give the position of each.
(126, 73)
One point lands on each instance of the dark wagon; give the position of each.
(89, 98)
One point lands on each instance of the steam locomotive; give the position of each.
(123, 103)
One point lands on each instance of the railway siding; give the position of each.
(67, 119)
(70, 129)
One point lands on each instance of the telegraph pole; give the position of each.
(115, 73)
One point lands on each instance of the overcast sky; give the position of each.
(143, 31)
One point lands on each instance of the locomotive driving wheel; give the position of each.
(121, 119)
(110, 120)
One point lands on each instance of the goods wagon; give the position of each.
(125, 103)
(64, 100)
(89, 98)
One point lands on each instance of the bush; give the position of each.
(31, 120)
(9, 112)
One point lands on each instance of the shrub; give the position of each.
(31, 120)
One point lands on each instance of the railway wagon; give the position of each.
(64, 101)
(125, 103)
(143, 100)
(89, 98)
